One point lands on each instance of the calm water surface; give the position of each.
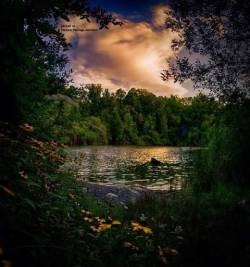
(129, 165)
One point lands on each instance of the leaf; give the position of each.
(143, 218)
(30, 203)
(65, 17)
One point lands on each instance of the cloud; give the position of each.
(159, 15)
(124, 57)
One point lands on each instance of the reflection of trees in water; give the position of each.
(131, 166)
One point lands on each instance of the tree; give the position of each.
(116, 128)
(94, 93)
(216, 36)
(130, 129)
(162, 123)
(32, 50)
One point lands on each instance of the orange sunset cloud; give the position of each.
(132, 55)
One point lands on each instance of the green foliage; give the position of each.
(137, 117)
(61, 120)
(215, 226)
(225, 159)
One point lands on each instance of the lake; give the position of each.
(130, 165)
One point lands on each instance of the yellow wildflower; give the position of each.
(27, 127)
(93, 228)
(105, 226)
(100, 220)
(130, 245)
(23, 175)
(174, 251)
(162, 256)
(116, 222)
(137, 227)
(146, 230)
(165, 252)
(87, 219)
(170, 251)
(101, 227)
(86, 212)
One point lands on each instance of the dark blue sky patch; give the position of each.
(74, 43)
(137, 10)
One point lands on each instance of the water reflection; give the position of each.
(128, 165)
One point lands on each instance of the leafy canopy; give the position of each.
(213, 46)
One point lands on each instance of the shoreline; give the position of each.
(120, 194)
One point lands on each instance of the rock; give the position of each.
(117, 193)
(155, 162)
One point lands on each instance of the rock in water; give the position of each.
(154, 161)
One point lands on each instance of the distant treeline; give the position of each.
(91, 115)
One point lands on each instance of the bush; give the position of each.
(225, 159)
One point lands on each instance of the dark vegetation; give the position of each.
(45, 219)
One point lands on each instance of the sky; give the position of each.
(131, 55)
